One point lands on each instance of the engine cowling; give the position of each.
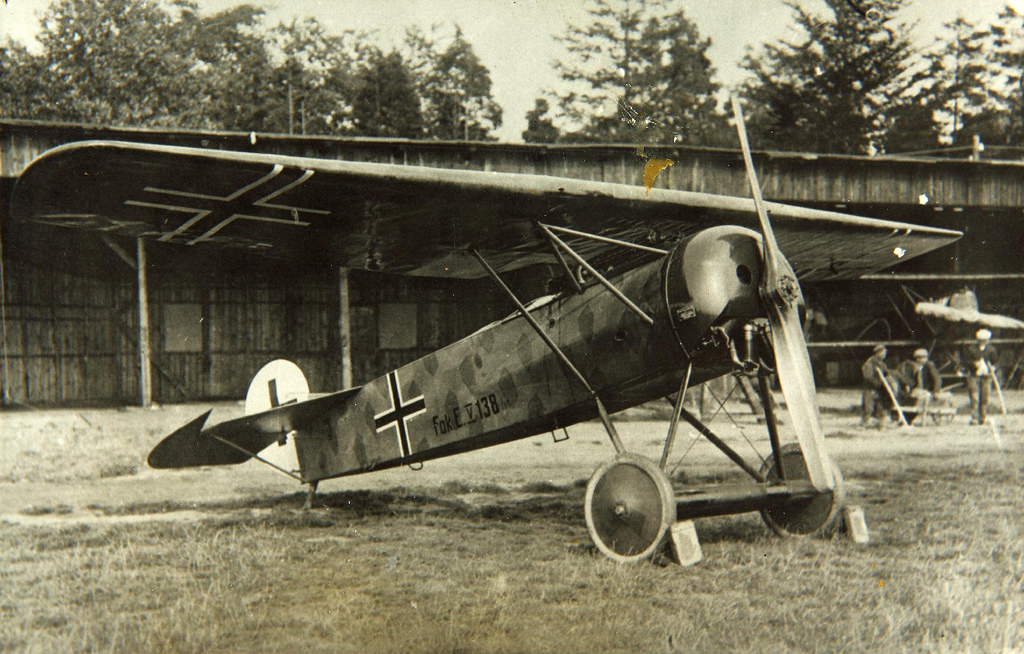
(712, 277)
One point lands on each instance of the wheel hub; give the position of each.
(629, 507)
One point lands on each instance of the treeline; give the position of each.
(163, 64)
(848, 80)
(855, 83)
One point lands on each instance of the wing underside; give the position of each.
(408, 219)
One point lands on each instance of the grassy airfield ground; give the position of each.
(489, 551)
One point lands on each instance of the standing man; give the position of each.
(876, 400)
(921, 382)
(980, 361)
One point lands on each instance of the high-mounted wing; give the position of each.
(409, 219)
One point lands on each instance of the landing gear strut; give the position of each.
(630, 504)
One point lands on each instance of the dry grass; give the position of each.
(479, 563)
(409, 571)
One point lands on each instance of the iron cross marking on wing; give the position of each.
(399, 414)
(212, 213)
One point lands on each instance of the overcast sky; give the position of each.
(514, 40)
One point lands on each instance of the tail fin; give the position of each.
(238, 440)
(277, 383)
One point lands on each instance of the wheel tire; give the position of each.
(806, 517)
(629, 508)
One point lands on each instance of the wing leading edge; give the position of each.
(409, 219)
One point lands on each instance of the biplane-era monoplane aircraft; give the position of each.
(676, 288)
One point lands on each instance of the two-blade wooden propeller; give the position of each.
(781, 296)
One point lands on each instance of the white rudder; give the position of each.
(278, 383)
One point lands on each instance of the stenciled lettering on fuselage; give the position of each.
(457, 417)
(398, 415)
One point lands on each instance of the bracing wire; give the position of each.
(721, 408)
(738, 426)
(693, 441)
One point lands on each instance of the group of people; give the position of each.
(916, 383)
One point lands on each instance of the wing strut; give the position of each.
(604, 239)
(593, 271)
(673, 425)
(576, 287)
(602, 412)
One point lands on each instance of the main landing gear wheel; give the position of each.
(629, 507)
(802, 517)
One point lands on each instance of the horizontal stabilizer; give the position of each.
(188, 447)
(237, 441)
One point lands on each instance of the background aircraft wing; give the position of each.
(952, 314)
(410, 219)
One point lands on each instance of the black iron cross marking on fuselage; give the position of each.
(399, 414)
(212, 213)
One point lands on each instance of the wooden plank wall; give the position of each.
(445, 312)
(73, 340)
(61, 348)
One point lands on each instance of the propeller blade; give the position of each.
(770, 245)
(797, 380)
(781, 296)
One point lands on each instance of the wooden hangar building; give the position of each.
(70, 307)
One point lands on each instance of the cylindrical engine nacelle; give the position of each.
(712, 277)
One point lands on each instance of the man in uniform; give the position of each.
(876, 400)
(980, 362)
(921, 383)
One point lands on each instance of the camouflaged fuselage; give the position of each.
(503, 382)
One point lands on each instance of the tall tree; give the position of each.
(639, 72)
(454, 86)
(314, 78)
(837, 87)
(114, 62)
(961, 79)
(539, 126)
(161, 63)
(912, 127)
(22, 82)
(1004, 122)
(386, 103)
(141, 62)
(941, 94)
(232, 62)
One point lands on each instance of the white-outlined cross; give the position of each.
(399, 414)
(250, 202)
